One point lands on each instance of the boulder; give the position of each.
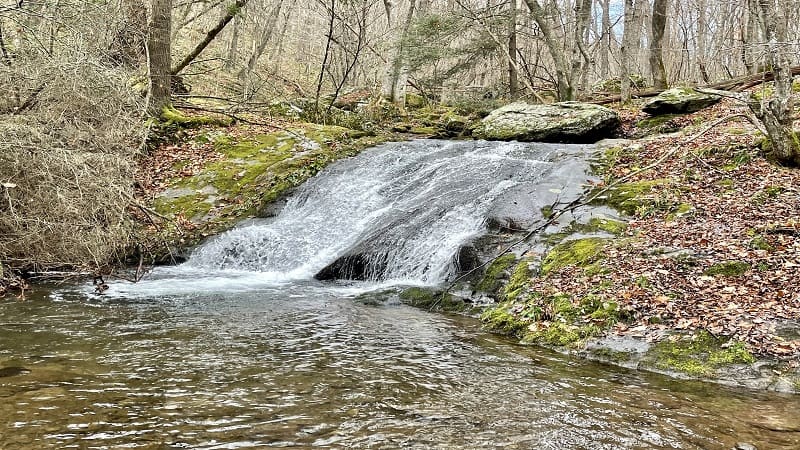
(679, 101)
(566, 122)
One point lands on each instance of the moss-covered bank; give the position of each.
(250, 169)
(564, 301)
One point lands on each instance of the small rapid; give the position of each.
(397, 212)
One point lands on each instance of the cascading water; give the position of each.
(397, 212)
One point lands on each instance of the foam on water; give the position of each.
(411, 205)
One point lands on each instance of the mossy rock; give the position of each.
(520, 278)
(500, 319)
(428, 298)
(629, 197)
(679, 101)
(578, 252)
(658, 124)
(698, 355)
(611, 226)
(171, 116)
(570, 122)
(254, 171)
(728, 269)
(496, 272)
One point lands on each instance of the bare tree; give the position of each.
(777, 112)
(158, 56)
(658, 25)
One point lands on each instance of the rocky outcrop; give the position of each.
(568, 122)
(679, 101)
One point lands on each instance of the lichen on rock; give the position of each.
(679, 101)
(570, 122)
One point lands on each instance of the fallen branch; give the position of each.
(735, 85)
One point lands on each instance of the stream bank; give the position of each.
(696, 280)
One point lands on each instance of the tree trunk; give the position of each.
(750, 37)
(233, 44)
(580, 60)
(264, 38)
(628, 35)
(563, 77)
(158, 56)
(658, 24)
(702, 40)
(513, 76)
(605, 40)
(396, 78)
(776, 112)
(232, 11)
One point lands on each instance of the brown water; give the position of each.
(309, 365)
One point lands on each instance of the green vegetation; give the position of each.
(253, 171)
(430, 298)
(630, 197)
(728, 269)
(493, 278)
(578, 252)
(699, 355)
(519, 279)
(555, 320)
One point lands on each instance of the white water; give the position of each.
(406, 208)
(413, 204)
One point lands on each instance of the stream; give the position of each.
(243, 347)
(315, 365)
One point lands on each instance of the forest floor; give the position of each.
(712, 243)
(717, 237)
(704, 267)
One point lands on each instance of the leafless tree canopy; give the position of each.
(73, 74)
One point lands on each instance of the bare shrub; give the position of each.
(68, 140)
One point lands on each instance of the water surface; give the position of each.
(311, 365)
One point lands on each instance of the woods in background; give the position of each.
(79, 79)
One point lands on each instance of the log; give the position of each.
(734, 85)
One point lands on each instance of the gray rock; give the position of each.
(569, 122)
(744, 446)
(679, 101)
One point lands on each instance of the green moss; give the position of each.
(255, 170)
(500, 319)
(607, 354)
(579, 252)
(170, 115)
(728, 269)
(629, 197)
(657, 122)
(615, 227)
(415, 101)
(430, 298)
(428, 131)
(554, 334)
(492, 279)
(682, 210)
(759, 242)
(519, 279)
(699, 355)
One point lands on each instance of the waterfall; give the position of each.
(397, 212)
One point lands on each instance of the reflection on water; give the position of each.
(308, 365)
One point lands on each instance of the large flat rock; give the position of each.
(679, 101)
(565, 122)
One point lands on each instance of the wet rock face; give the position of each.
(679, 101)
(565, 122)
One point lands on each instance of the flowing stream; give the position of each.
(242, 348)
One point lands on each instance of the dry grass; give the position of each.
(66, 164)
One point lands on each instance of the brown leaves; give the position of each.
(744, 210)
